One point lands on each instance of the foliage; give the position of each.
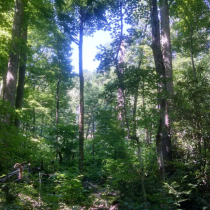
(117, 164)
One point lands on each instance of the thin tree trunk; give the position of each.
(119, 66)
(57, 119)
(144, 109)
(192, 53)
(88, 129)
(142, 169)
(161, 136)
(138, 143)
(134, 111)
(167, 59)
(81, 114)
(41, 133)
(22, 70)
(141, 162)
(34, 120)
(93, 132)
(12, 70)
(57, 102)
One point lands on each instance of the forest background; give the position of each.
(132, 135)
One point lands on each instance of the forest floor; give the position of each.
(103, 197)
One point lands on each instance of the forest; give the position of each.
(129, 135)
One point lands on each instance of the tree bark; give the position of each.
(161, 136)
(22, 69)
(57, 119)
(119, 65)
(57, 102)
(167, 59)
(12, 70)
(81, 114)
(93, 132)
(41, 133)
(34, 120)
(88, 129)
(166, 44)
(192, 53)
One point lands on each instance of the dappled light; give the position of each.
(129, 134)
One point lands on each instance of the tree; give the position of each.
(22, 68)
(11, 80)
(191, 28)
(90, 17)
(167, 59)
(162, 135)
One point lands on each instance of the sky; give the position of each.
(89, 50)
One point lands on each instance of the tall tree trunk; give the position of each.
(88, 129)
(12, 70)
(57, 119)
(57, 102)
(134, 111)
(81, 114)
(192, 52)
(167, 59)
(22, 68)
(161, 136)
(119, 66)
(93, 132)
(166, 44)
(41, 133)
(34, 120)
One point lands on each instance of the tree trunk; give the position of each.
(41, 133)
(34, 120)
(161, 136)
(119, 66)
(142, 170)
(57, 102)
(134, 111)
(88, 129)
(93, 132)
(81, 114)
(57, 120)
(166, 45)
(22, 69)
(12, 70)
(167, 59)
(192, 53)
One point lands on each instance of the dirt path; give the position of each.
(104, 199)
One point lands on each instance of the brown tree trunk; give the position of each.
(161, 136)
(41, 133)
(167, 59)
(192, 53)
(93, 132)
(57, 102)
(134, 111)
(88, 129)
(34, 120)
(166, 44)
(119, 66)
(22, 69)
(57, 119)
(81, 114)
(12, 70)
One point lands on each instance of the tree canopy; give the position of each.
(131, 134)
